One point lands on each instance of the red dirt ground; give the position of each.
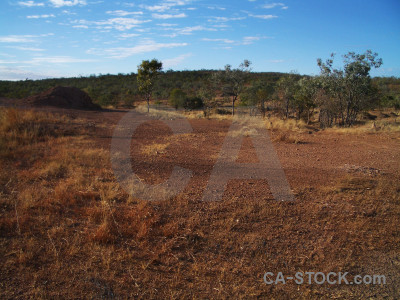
(345, 218)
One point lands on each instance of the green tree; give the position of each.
(286, 88)
(305, 96)
(147, 73)
(233, 80)
(350, 88)
(177, 98)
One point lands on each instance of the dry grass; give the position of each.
(154, 149)
(67, 230)
(275, 123)
(159, 113)
(288, 137)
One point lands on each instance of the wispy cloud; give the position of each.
(128, 35)
(248, 40)
(172, 62)
(40, 16)
(61, 3)
(7, 73)
(167, 25)
(122, 13)
(225, 19)
(186, 30)
(29, 49)
(21, 38)
(166, 5)
(265, 17)
(276, 61)
(30, 3)
(216, 8)
(81, 26)
(144, 47)
(120, 24)
(226, 41)
(57, 60)
(275, 4)
(169, 16)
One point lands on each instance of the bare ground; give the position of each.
(91, 240)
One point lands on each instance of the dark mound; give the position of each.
(64, 97)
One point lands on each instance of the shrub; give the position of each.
(177, 98)
(193, 103)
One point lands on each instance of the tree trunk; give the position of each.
(233, 105)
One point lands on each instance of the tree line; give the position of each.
(339, 94)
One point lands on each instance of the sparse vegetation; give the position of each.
(69, 230)
(64, 213)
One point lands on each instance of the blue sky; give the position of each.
(57, 38)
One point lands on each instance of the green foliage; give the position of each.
(287, 88)
(147, 73)
(305, 96)
(233, 80)
(350, 90)
(193, 103)
(177, 98)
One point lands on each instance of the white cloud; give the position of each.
(216, 7)
(22, 38)
(275, 4)
(122, 13)
(226, 41)
(17, 39)
(120, 24)
(61, 3)
(57, 60)
(31, 49)
(30, 3)
(166, 5)
(172, 62)
(2, 62)
(7, 73)
(276, 61)
(144, 47)
(225, 19)
(167, 25)
(41, 16)
(128, 35)
(189, 30)
(169, 16)
(186, 30)
(157, 8)
(247, 40)
(265, 17)
(81, 26)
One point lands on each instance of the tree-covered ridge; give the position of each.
(339, 95)
(122, 88)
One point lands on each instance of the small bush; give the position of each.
(193, 103)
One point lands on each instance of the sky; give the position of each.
(69, 38)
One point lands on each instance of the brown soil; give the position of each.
(345, 219)
(63, 97)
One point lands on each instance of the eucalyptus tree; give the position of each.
(287, 87)
(305, 96)
(147, 73)
(233, 80)
(349, 88)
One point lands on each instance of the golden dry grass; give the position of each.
(67, 230)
